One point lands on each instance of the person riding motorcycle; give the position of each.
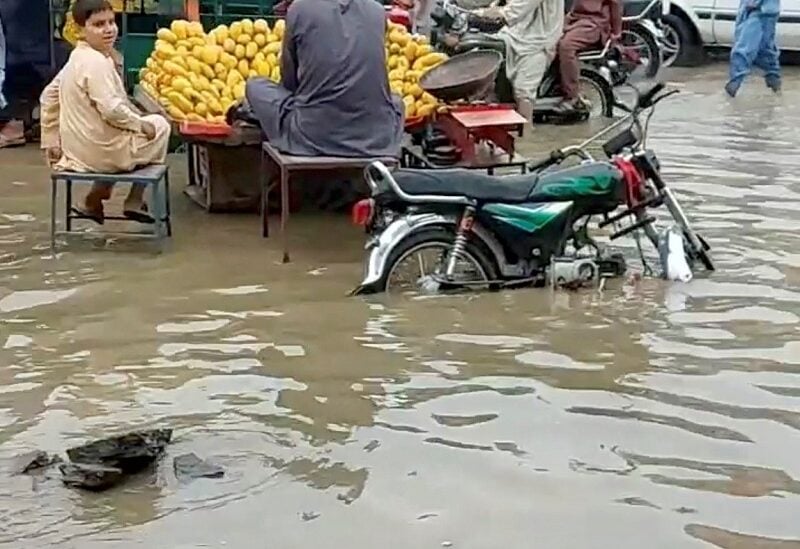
(589, 23)
(531, 31)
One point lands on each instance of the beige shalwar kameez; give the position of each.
(86, 113)
(531, 33)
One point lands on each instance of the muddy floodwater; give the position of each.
(649, 415)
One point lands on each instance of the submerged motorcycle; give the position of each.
(474, 33)
(438, 230)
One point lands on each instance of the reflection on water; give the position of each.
(646, 415)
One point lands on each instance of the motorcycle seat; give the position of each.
(596, 179)
(469, 183)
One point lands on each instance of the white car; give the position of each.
(692, 25)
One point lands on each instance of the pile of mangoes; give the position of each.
(408, 57)
(198, 76)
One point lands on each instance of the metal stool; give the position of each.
(158, 203)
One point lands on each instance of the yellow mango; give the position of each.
(197, 52)
(235, 29)
(181, 83)
(240, 51)
(410, 110)
(259, 57)
(244, 68)
(423, 50)
(421, 39)
(429, 60)
(194, 65)
(197, 41)
(175, 113)
(263, 69)
(248, 26)
(215, 107)
(424, 109)
(413, 90)
(194, 117)
(250, 50)
(403, 63)
(429, 99)
(394, 49)
(229, 45)
(238, 90)
(220, 71)
(276, 74)
(164, 50)
(229, 60)
(174, 69)
(210, 55)
(244, 39)
(391, 63)
(181, 51)
(180, 101)
(195, 29)
(410, 51)
(260, 40)
(396, 87)
(203, 83)
(272, 59)
(261, 26)
(218, 120)
(252, 74)
(219, 85)
(399, 37)
(273, 47)
(222, 34)
(178, 60)
(412, 76)
(234, 77)
(397, 74)
(180, 28)
(201, 109)
(280, 28)
(167, 36)
(207, 71)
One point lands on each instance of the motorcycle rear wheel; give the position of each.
(640, 38)
(474, 268)
(602, 93)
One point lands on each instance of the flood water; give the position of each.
(652, 414)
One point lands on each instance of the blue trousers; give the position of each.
(754, 44)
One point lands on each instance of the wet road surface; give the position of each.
(649, 415)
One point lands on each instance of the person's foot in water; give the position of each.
(732, 88)
(134, 208)
(569, 106)
(92, 207)
(774, 84)
(12, 134)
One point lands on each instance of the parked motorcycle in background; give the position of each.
(458, 31)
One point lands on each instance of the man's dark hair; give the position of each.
(82, 10)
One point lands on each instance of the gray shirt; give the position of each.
(334, 99)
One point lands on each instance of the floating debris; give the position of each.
(32, 461)
(90, 476)
(191, 466)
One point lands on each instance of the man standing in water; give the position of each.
(88, 124)
(754, 44)
(589, 23)
(531, 32)
(334, 99)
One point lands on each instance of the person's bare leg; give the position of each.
(525, 109)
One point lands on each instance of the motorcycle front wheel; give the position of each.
(418, 264)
